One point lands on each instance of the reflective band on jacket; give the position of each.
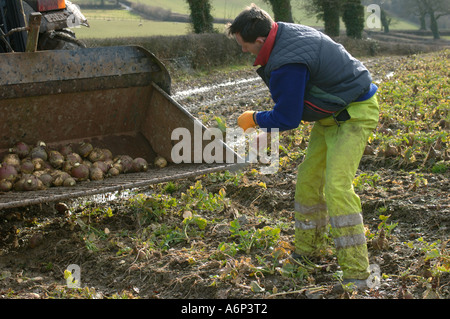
(349, 241)
(346, 220)
(310, 224)
(306, 210)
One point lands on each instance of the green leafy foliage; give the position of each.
(151, 207)
(197, 198)
(253, 238)
(415, 113)
(353, 17)
(436, 256)
(364, 179)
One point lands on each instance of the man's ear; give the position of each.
(260, 40)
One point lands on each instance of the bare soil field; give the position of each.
(229, 235)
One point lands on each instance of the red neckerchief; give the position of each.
(267, 47)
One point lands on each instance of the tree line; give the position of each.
(352, 13)
(428, 10)
(331, 12)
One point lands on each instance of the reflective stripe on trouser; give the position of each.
(324, 192)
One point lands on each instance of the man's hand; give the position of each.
(247, 120)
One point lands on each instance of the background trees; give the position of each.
(353, 17)
(330, 11)
(431, 9)
(202, 20)
(282, 10)
(429, 14)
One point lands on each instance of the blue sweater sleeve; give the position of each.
(287, 86)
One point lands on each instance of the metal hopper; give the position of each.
(113, 97)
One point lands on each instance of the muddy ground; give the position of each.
(38, 243)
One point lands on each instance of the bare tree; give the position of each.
(436, 9)
(385, 21)
(433, 9)
(421, 12)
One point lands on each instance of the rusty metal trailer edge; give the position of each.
(113, 97)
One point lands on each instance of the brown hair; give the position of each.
(251, 23)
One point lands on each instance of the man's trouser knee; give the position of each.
(324, 191)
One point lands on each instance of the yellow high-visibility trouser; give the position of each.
(324, 190)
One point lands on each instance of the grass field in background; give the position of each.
(221, 9)
(227, 9)
(123, 23)
(130, 28)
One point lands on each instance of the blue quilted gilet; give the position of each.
(336, 78)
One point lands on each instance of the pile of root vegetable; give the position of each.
(36, 167)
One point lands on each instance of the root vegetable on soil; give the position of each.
(8, 172)
(84, 149)
(103, 166)
(39, 152)
(39, 163)
(126, 163)
(139, 165)
(27, 168)
(113, 171)
(12, 159)
(73, 158)
(97, 154)
(160, 162)
(59, 177)
(66, 149)
(69, 182)
(46, 179)
(96, 174)
(80, 172)
(5, 185)
(56, 159)
(20, 148)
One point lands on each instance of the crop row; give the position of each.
(415, 117)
